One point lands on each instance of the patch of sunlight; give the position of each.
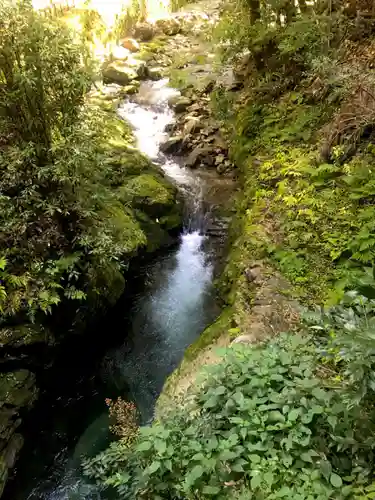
(110, 9)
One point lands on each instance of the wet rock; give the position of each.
(155, 73)
(17, 392)
(179, 103)
(201, 155)
(172, 145)
(130, 44)
(131, 89)
(119, 72)
(8, 457)
(143, 32)
(23, 335)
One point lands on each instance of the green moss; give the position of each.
(210, 334)
(150, 192)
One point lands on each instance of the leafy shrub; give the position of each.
(350, 325)
(263, 421)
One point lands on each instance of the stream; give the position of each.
(138, 344)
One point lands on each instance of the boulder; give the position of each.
(192, 125)
(119, 72)
(169, 26)
(17, 392)
(143, 32)
(130, 44)
(8, 457)
(201, 155)
(23, 335)
(172, 145)
(155, 73)
(132, 88)
(179, 103)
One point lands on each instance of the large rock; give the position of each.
(179, 103)
(17, 392)
(149, 192)
(169, 26)
(130, 44)
(193, 125)
(23, 335)
(119, 72)
(143, 32)
(202, 155)
(155, 73)
(172, 145)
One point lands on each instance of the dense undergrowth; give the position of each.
(76, 198)
(292, 417)
(302, 136)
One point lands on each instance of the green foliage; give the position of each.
(68, 222)
(262, 422)
(350, 325)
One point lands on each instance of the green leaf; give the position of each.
(254, 458)
(294, 414)
(256, 481)
(160, 446)
(211, 490)
(326, 468)
(154, 467)
(276, 416)
(335, 480)
(144, 446)
(196, 472)
(269, 478)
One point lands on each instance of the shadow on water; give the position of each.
(134, 348)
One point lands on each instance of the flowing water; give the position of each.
(172, 302)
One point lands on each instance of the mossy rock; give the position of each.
(157, 236)
(17, 389)
(123, 165)
(119, 72)
(150, 193)
(24, 335)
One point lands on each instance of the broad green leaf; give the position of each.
(211, 490)
(335, 480)
(256, 481)
(154, 467)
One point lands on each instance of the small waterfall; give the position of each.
(149, 114)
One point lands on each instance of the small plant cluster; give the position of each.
(263, 424)
(124, 419)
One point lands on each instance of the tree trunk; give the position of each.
(254, 10)
(302, 5)
(290, 11)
